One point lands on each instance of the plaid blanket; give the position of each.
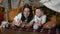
(47, 31)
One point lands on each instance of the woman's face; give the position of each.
(26, 12)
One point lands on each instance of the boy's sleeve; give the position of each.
(43, 19)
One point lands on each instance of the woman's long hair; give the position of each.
(30, 15)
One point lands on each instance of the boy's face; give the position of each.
(38, 12)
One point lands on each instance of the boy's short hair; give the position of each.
(41, 8)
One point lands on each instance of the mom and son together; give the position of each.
(26, 20)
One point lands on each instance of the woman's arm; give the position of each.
(43, 19)
(17, 20)
(30, 24)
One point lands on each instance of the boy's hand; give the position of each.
(39, 23)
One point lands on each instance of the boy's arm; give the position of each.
(43, 19)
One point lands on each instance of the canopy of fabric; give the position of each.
(52, 4)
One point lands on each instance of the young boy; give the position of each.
(39, 18)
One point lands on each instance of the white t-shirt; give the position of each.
(42, 19)
(18, 17)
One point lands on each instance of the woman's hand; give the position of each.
(39, 24)
(17, 23)
(22, 25)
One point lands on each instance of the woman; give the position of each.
(24, 18)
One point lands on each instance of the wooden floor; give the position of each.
(9, 31)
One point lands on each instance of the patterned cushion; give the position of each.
(51, 23)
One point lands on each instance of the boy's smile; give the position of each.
(38, 12)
